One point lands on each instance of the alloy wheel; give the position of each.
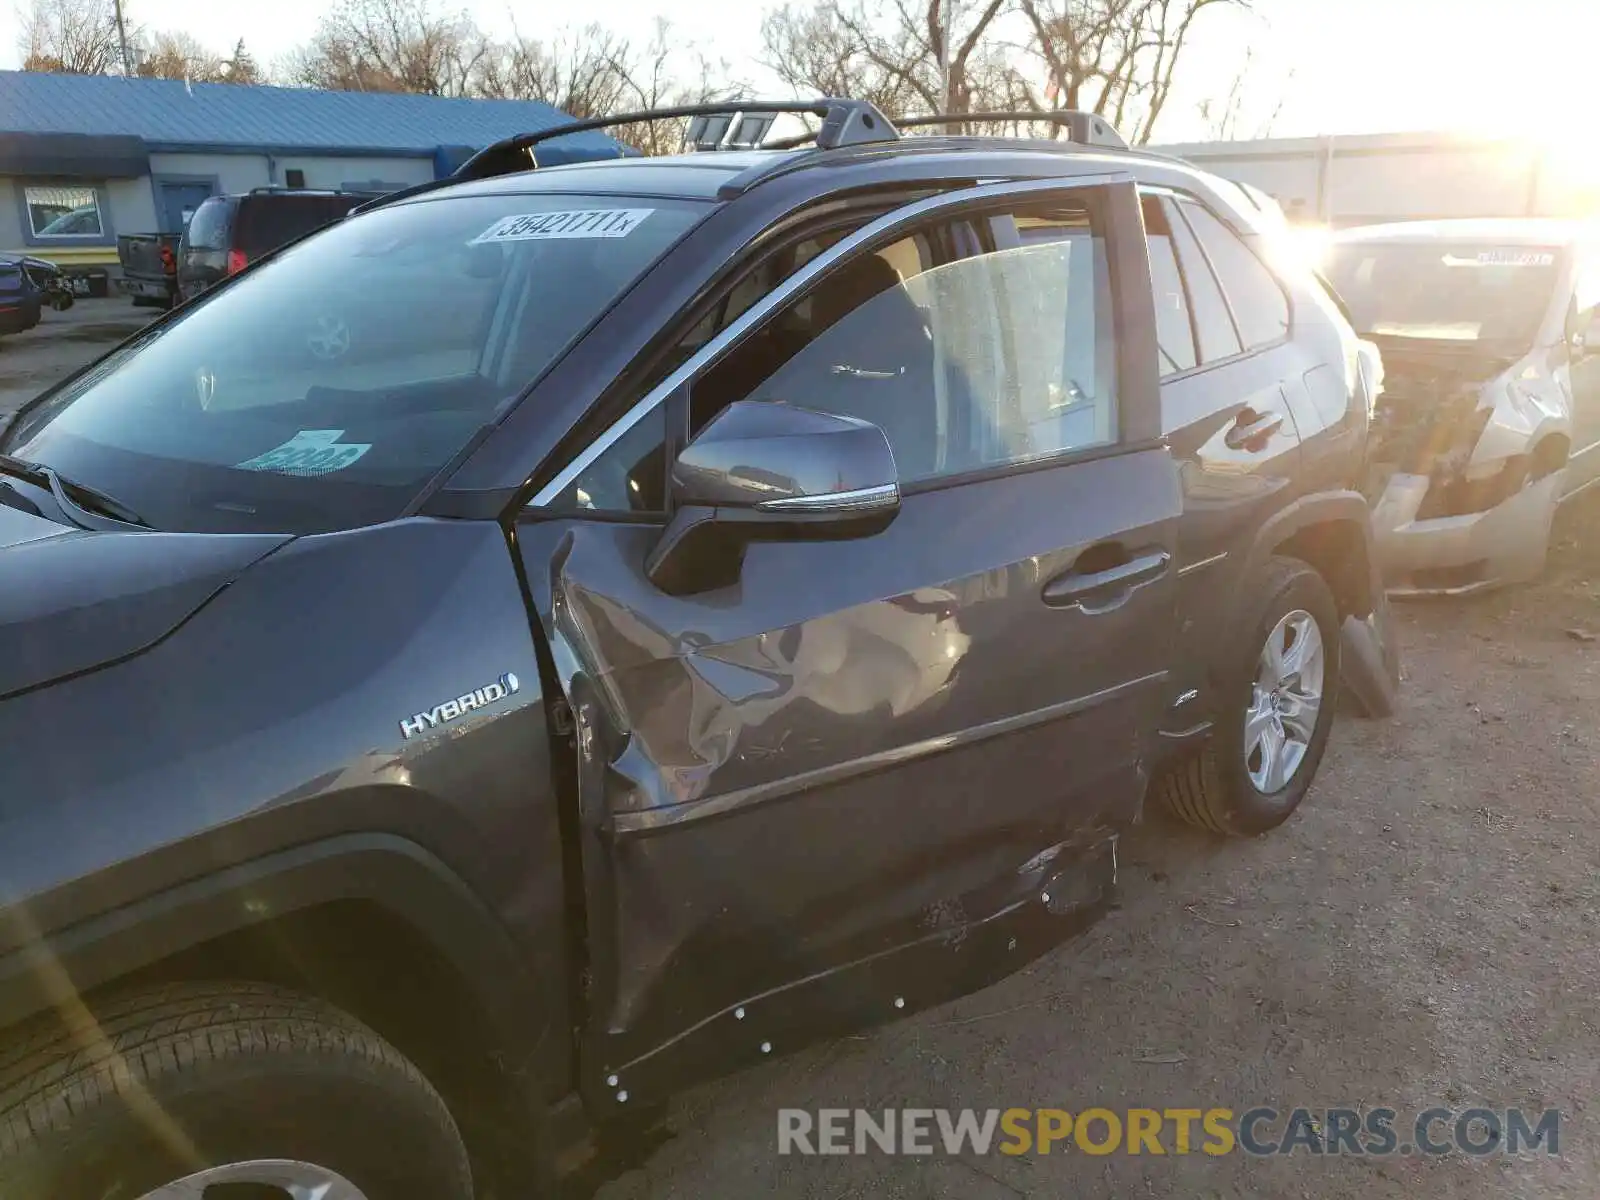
(1285, 701)
(294, 1180)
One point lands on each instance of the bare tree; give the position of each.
(392, 46)
(667, 73)
(1224, 116)
(1117, 58)
(74, 37)
(817, 53)
(241, 66)
(1167, 29)
(578, 72)
(904, 55)
(178, 55)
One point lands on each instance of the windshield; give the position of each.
(1475, 292)
(324, 389)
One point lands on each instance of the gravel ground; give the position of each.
(62, 342)
(1420, 934)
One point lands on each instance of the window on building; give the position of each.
(63, 210)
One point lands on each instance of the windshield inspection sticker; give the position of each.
(309, 452)
(578, 223)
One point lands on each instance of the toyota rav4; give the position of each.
(750, 608)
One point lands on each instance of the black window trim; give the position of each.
(883, 229)
(1247, 351)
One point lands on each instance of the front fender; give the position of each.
(41, 971)
(271, 721)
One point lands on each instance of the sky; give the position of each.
(1321, 66)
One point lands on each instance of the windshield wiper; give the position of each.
(77, 500)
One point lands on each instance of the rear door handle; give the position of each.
(1251, 429)
(1109, 588)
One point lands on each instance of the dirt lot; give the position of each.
(61, 342)
(1422, 933)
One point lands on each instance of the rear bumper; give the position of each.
(155, 289)
(1458, 555)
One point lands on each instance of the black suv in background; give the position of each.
(228, 233)
(753, 608)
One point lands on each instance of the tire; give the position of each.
(1214, 788)
(171, 1081)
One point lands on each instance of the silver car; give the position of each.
(1489, 417)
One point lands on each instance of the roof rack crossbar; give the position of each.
(844, 123)
(1091, 129)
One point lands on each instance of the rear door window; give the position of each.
(208, 228)
(1213, 325)
(1259, 305)
(1174, 329)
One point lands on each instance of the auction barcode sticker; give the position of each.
(577, 223)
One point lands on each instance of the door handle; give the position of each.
(1108, 588)
(1251, 429)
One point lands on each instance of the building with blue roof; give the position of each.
(89, 156)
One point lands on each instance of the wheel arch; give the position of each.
(1332, 533)
(371, 923)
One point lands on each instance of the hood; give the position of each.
(74, 599)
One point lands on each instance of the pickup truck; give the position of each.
(149, 267)
(751, 609)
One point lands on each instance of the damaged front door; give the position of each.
(818, 763)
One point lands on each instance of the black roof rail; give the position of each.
(844, 123)
(1086, 128)
(385, 199)
(278, 189)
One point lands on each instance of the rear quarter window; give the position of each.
(1258, 302)
(208, 228)
(267, 222)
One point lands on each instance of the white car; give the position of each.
(1489, 416)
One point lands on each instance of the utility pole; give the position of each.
(122, 40)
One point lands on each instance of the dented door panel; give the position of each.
(858, 743)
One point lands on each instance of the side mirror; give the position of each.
(765, 471)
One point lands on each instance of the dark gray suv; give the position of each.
(750, 609)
